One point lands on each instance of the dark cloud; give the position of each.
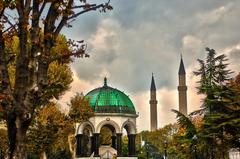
(235, 54)
(234, 58)
(139, 37)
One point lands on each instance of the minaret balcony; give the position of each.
(152, 102)
(182, 88)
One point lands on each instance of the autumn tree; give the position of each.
(189, 140)
(3, 142)
(37, 25)
(154, 142)
(80, 110)
(49, 132)
(59, 75)
(232, 118)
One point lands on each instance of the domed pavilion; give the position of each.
(114, 110)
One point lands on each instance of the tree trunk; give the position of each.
(20, 140)
(43, 155)
(72, 149)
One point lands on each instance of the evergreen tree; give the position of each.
(216, 107)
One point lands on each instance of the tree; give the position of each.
(214, 128)
(49, 132)
(80, 109)
(3, 142)
(232, 120)
(28, 19)
(186, 123)
(154, 142)
(189, 139)
(59, 75)
(218, 102)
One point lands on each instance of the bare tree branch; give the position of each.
(84, 6)
(42, 8)
(12, 26)
(64, 18)
(27, 7)
(5, 87)
(87, 10)
(20, 7)
(2, 12)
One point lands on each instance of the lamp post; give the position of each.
(147, 148)
(194, 138)
(1, 154)
(195, 151)
(165, 149)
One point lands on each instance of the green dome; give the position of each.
(110, 100)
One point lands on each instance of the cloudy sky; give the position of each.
(139, 37)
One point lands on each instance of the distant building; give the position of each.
(182, 89)
(153, 106)
(234, 154)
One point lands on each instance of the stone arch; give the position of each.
(84, 125)
(129, 126)
(108, 122)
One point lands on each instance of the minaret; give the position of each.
(182, 88)
(153, 106)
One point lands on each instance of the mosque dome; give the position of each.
(106, 99)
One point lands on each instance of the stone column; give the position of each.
(96, 144)
(92, 144)
(114, 142)
(119, 144)
(131, 145)
(79, 149)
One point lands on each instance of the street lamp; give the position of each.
(194, 138)
(147, 148)
(1, 154)
(165, 149)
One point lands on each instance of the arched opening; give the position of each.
(107, 141)
(84, 138)
(107, 133)
(124, 142)
(129, 145)
(87, 141)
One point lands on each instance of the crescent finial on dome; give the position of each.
(105, 82)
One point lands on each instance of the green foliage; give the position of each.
(214, 77)
(125, 145)
(80, 109)
(220, 117)
(34, 60)
(49, 132)
(3, 141)
(186, 123)
(61, 154)
(51, 129)
(59, 73)
(60, 78)
(154, 142)
(1, 113)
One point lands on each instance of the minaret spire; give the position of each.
(153, 87)
(181, 70)
(153, 105)
(182, 88)
(105, 82)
